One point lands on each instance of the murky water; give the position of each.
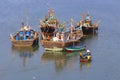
(36, 64)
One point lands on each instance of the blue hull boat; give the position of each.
(75, 48)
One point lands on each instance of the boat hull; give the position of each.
(71, 49)
(84, 60)
(56, 46)
(29, 42)
(88, 30)
(54, 49)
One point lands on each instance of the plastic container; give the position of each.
(24, 38)
(27, 33)
(21, 33)
(17, 38)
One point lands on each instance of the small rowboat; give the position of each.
(86, 57)
(75, 48)
(85, 60)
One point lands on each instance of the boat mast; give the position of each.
(27, 24)
(22, 24)
(83, 16)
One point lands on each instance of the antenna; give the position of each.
(88, 13)
(27, 19)
(22, 24)
(83, 16)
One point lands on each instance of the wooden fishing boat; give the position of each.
(75, 48)
(25, 37)
(55, 46)
(87, 26)
(60, 44)
(59, 38)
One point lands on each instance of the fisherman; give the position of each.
(41, 22)
(46, 18)
(88, 55)
(81, 55)
(25, 28)
(21, 33)
(88, 52)
(88, 17)
(88, 20)
(31, 35)
(51, 14)
(56, 38)
(60, 28)
(62, 37)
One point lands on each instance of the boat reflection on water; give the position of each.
(58, 57)
(51, 55)
(61, 59)
(85, 65)
(25, 52)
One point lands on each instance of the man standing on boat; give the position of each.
(88, 17)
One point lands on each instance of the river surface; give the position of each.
(37, 64)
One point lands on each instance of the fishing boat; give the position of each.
(49, 24)
(59, 38)
(55, 46)
(86, 25)
(60, 41)
(25, 37)
(75, 48)
(86, 57)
